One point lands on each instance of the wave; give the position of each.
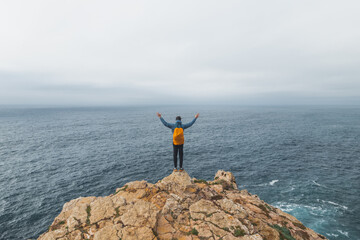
(333, 203)
(318, 184)
(273, 182)
(343, 233)
(288, 190)
(315, 210)
(332, 234)
(290, 207)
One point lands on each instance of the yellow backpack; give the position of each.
(178, 137)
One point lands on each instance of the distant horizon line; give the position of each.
(168, 105)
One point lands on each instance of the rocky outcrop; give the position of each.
(177, 207)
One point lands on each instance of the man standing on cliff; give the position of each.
(178, 137)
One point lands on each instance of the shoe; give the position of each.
(175, 170)
(181, 170)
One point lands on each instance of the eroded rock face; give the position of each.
(176, 207)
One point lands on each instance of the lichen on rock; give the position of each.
(177, 207)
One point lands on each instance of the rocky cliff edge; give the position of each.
(176, 207)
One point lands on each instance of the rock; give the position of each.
(101, 208)
(232, 207)
(137, 185)
(176, 207)
(172, 207)
(226, 177)
(118, 201)
(252, 237)
(108, 232)
(140, 213)
(202, 209)
(74, 212)
(176, 183)
(164, 228)
(48, 236)
(75, 235)
(137, 233)
(218, 188)
(204, 230)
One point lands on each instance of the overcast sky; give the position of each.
(179, 52)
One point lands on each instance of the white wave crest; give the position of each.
(273, 182)
(332, 234)
(335, 204)
(266, 184)
(288, 190)
(289, 207)
(343, 233)
(319, 185)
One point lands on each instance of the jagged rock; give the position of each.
(144, 233)
(176, 207)
(73, 213)
(175, 183)
(233, 208)
(164, 228)
(108, 232)
(227, 178)
(101, 208)
(140, 213)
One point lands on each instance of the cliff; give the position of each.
(176, 207)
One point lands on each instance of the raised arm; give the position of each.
(169, 125)
(187, 125)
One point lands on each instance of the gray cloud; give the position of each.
(161, 52)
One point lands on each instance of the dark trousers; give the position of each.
(178, 148)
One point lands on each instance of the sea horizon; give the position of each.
(303, 160)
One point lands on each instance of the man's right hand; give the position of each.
(159, 115)
(197, 115)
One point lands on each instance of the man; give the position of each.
(178, 137)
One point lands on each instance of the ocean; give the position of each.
(304, 160)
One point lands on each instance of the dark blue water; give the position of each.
(304, 160)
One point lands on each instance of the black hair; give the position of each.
(178, 118)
